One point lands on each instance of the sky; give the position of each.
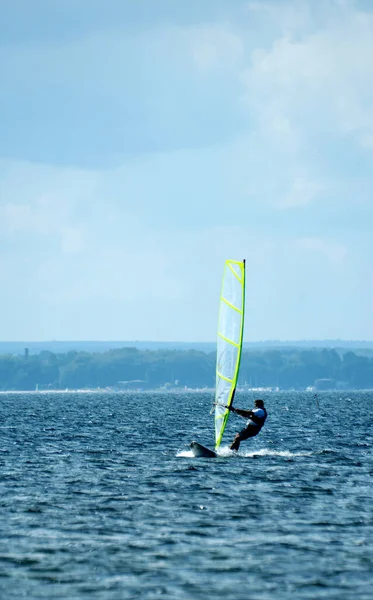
(143, 143)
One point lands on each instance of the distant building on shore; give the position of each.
(329, 384)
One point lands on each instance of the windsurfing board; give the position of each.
(200, 451)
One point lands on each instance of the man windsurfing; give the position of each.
(256, 416)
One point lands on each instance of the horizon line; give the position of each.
(146, 341)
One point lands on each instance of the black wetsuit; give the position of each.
(253, 426)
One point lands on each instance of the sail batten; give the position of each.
(234, 272)
(230, 338)
(223, 377)
(228, 341)
(231, 305)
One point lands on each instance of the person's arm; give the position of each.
(246, 414)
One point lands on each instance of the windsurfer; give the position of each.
(256, 416)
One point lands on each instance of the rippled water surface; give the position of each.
(100, 498)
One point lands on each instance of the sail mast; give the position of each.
(242, 324)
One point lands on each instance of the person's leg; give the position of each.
(243, 435)
(236, 443)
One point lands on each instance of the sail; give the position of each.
(230, 338)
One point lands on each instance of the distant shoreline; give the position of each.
(170, 370)
(62, 347)
(180, 391)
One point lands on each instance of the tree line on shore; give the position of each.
(150, 369)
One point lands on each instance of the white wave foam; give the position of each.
(269, 452)
(226, 452)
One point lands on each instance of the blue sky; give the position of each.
(143, 143)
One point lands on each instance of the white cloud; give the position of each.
(333, 252)
(72, 240)
(215, 46)
(301, 193)
(367, 140)
(16, 217)
(42, 202)
(320, 77)
(39, 220)
(288, 17)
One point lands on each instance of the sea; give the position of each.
(101, 498)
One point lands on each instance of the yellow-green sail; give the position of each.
(230, 338)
